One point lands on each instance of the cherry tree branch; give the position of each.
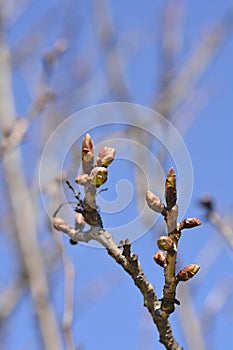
(95, 175)
(131, 264)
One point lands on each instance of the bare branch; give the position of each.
(10, 297)
(130, 263)
(23, 212)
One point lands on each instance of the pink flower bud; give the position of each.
(154, 202)
(189, 223)
(188, 272)
(160, 258)
(82, 179)
(105, 156)
(79, 221)
(57, 222)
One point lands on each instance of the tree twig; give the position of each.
(130, 263)
(94, 177)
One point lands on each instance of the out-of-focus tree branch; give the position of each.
(217, 221)
(68, 302)
(10, 297)
(192, 330)
(215, 302)
(23, 210)
(107, 40)
(193, 69)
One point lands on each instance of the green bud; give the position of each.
(165, 243)
(98, 176)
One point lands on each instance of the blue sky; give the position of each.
(108, 310)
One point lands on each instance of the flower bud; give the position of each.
(105, 156)
(188, 272)
(160, 258)
(154, 202)
(164, 242)
(79, 221)
(170, 189)
(98, 176)
(87, 154)
(82, 179)
(57, 222)
(189, 223)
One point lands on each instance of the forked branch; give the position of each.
(95, 176)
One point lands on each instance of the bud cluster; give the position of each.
(94, 175)
(166, 256)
